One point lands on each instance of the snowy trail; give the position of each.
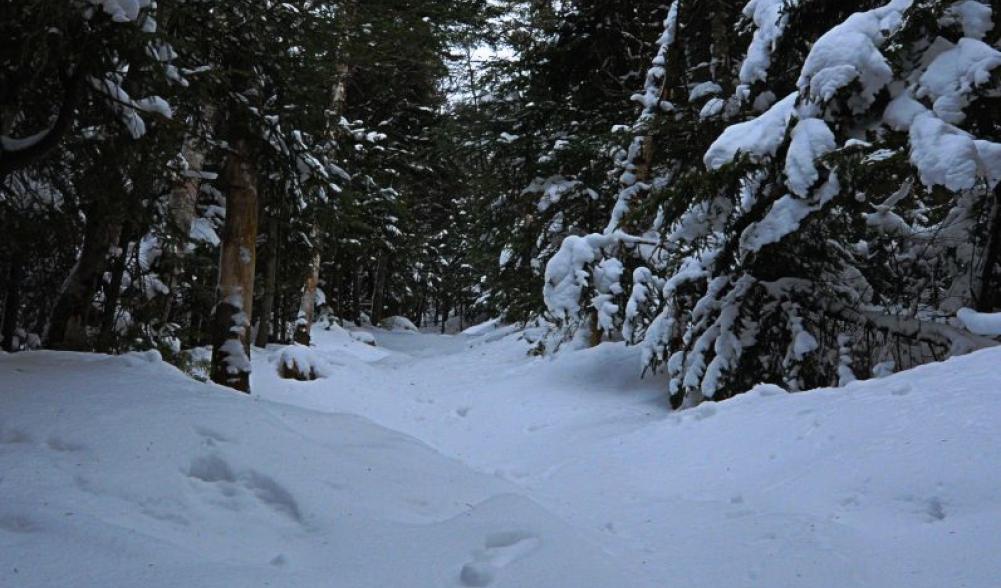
(835, 488)
(432, 461)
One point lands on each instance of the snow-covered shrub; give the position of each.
(398, 323)
(298, 362)
(827, 217)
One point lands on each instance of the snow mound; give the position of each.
(363, 337)
(898, 475)
(482, 328)
(144, 477)
(398, 323)
(298, 362)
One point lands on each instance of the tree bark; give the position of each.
(378, 285)
(307, 307)
(235, 292)
(987, 298)
(264, 326)
(106, 340)
(12, 302)
(67, 325)
(182, 208)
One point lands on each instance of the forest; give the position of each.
(692, 201)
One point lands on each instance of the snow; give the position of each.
(703, 90)
(122, 10)
(299, 362)
(769, 22)
(956, 72)
(973, 17)
(759, 137)
(943, 154)
(398, 323)
(566, 276)
(980, 323)
(203, 231)
(811, 140)
(482, 328)
(850, 52)
(436, 461)
(785, 216)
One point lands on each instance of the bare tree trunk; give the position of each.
(235, 292)
(356, 296)
(67, 326)
(12, 302)
(987, 298)
(182, 208)
(106, 339)
(270, 281)
(307, 307)
(378, 285)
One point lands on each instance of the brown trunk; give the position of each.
(235, 292)
(270, 280)
(67, 324)
(307, 307)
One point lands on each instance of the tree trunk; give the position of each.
(270, 281)
(307, 307)
(67, 324)
(356, 296)
(378, 285)
(987, 299)
(12, 302)
(182, 208)
(235, 292)
(113, 291)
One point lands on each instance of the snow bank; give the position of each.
(898, 476)
(119, 473)
(482, 328)
(398, 323)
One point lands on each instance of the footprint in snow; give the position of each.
(499, 550)
(216, 471)
(62, 445)
(13, 436)
(211, 437)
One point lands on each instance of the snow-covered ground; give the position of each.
(431, 461)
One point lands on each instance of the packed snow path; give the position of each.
(434, 460)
